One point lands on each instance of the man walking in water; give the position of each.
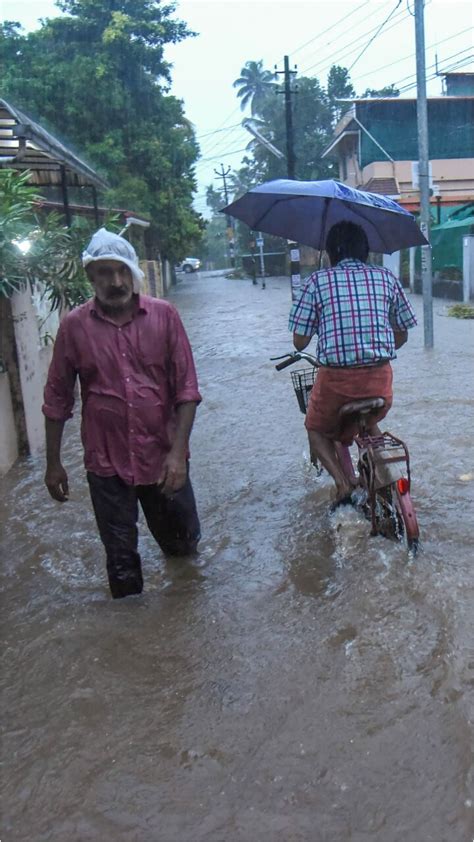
(361, 316)
(139, 395)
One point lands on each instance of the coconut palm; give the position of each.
(254, 84)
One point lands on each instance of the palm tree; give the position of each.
(254, 84)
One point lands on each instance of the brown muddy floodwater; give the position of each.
(302, 682)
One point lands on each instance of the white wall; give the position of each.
(468, 268)
(33, 363)
(8, 437)
(48, 321)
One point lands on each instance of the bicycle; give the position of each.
(383, 462)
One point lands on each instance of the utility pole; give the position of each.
(423, 173)
(294, 252)
(230, 225)
(290, 149)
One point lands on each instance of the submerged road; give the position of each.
(300, 682)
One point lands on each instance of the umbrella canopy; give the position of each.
(305, 211)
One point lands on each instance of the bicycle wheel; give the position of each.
(395, 516)
(409, 531)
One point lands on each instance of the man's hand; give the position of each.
(56, 482)
(173, 474)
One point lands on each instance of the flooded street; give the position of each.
(300, 682)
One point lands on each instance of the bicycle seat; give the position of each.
(361, 407)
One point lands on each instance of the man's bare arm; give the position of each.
(55, 478)
(301, 342)
(400, 337)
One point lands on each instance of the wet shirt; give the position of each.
(353, 308)
(132, 379)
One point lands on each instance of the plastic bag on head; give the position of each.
(105, 245)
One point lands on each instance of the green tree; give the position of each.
(214, 199)
(312, 123)
(388, 90)
(254, 85)
(38, 249)
(313, 126)
(97, 76)
(339, 86)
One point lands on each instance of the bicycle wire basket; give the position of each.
(303, 381)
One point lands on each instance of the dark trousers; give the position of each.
(173, 522)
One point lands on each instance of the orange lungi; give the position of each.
(336, 386)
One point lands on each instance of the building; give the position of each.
(376, 145)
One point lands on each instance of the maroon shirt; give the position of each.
(132, 379)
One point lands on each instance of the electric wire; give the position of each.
(320, 34)
(341, 50)
(411, 55)
(374, 36)
(217, 131)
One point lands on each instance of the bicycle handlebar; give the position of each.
(287, 362)
(294, 357)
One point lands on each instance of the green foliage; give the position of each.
(339, 86)
(214, 199)
(254, 85)
(97, 76)
(213, 246)
(54, 256)
(16, 222)
(389, 90)
(461, 311)
(315, 109)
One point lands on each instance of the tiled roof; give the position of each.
(383, 186)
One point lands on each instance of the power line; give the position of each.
(344, 32)
(342, 51)
(463, 63)
(224, 155)
(222, 143)
(431, 66)
(374, 36)
(216, 131)
(320, 34)
(376, 70)
(410, 55)
(224, 127)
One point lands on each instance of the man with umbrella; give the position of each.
(361, 316)
(359, 312)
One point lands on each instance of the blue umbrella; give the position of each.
(305, 211)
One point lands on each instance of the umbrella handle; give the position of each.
(322, 238)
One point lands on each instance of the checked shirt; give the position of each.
(353, 308)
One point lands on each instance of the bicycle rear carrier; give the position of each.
(303, 381)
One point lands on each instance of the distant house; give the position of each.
(376, 145)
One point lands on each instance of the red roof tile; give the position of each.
(383, 186)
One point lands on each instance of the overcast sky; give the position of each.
(314, 33)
